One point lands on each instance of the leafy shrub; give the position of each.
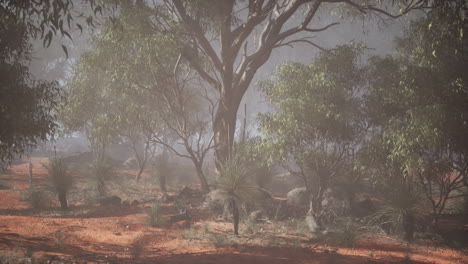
(38, 198)
(218, 240)
(347, 233)
(191, 234)
(154, 216)
(273, 241)
(299, 226)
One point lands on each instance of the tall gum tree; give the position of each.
(235, 50)
(238, 37)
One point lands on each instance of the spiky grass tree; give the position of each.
(61, 179)
(236, 186)
(402, 206)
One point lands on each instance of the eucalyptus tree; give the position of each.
(315, 128)
(418, 103)
(235, 38)
(146, 88)
(27, 112)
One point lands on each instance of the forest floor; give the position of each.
(91, 233)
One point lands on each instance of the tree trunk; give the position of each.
(162, 182)
(408, 226)
(312, 220)
(138, 175)
(62, 195)
(30, 175)
(201, 177)
(235, 216)
(224, 127)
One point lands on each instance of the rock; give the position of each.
(255, 216)
(188, 192)
(113, 200)
(214, 200)
(297, 196)
(311, 223)
(164, 198)
(182, 216)
(130, 163)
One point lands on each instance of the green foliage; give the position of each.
(46, 19)
(316, 105)
(111, 92)
(316, 126)
(347, 233)
(218, 240)
(154, 216)
(419, 96)
(27, 113)
(101, 172)
(416, 107)
(235, 180)
(251, 154)
(402, 206)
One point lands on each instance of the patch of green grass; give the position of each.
(154, 216)
(218, 240)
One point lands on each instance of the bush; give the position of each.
(347, 233)
(218, 240)
(38, 198)
(154, 215)
(191, 234)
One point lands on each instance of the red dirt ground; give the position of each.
(97, 234)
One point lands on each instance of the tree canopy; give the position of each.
(27, 112)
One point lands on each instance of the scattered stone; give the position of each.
(112, 200)
(164, 198)
(130, 163)
(188, 192)
(256, 215)
(297, 196)
(182, 216)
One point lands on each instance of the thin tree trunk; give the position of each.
(162, 182)
(138, 175)
(62, 195)
(408, 226)
(224, 127)
(235, 216)
(201, 177)
(30, 175)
